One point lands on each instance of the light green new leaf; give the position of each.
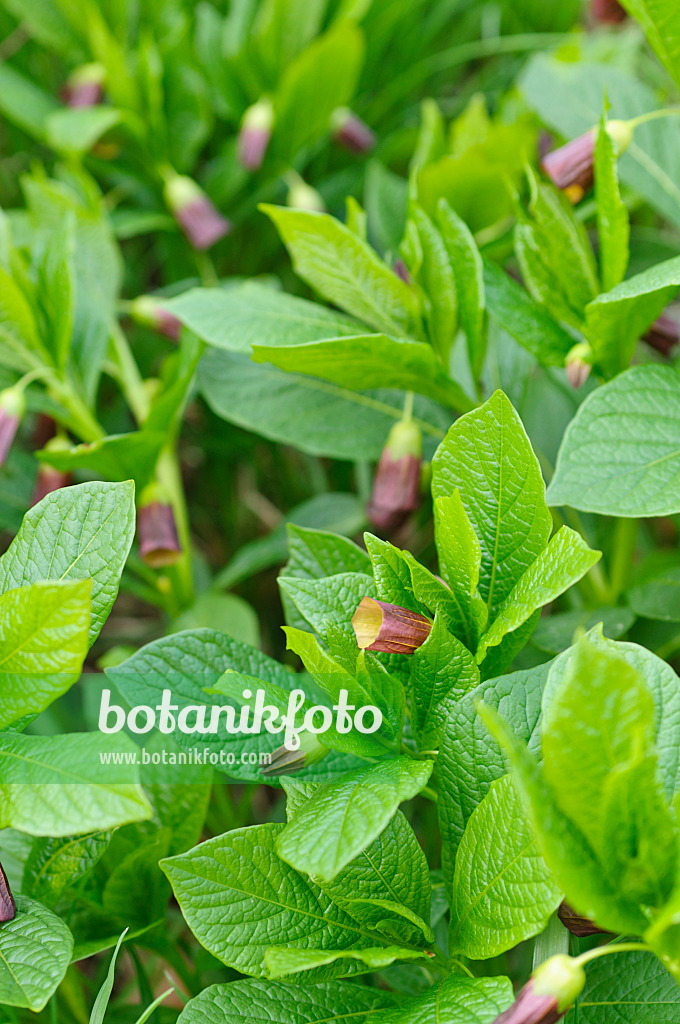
(502, 891)
(75, 533)
(55, 289)
(460, 559)
(239, 899)
(58, 785)
(660, 20)
(21, 347)
(276, 1002)
(282, 961)
(488, 457)
(613, 228)
(468, 272)
(616, 319)
(561, 564)
(621, 453)
(456, 1000)
(428, 261)
(35, 950)
(43, 643)
(344, 817)
(370, 361)
(345, 270)
(442, 671)
(526, 320)
(248, 314)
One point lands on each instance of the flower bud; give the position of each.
(574, 923)
(50, 479)
(387, 627)
(350, 131)
(12, 409)
(255, 133)
(84, 87)
(396, 487)
(607, 12)
(147, 310)
(284, 761)
(302, 196)
(8, 907)
(578, 364)
(158, 541)
(571, 167)
(200, 221)
(549, 993)
(663, 335)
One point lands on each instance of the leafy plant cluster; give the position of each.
(446, 408)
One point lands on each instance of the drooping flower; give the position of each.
(379, 626)
(607, 12)
(663, 335)
(396, 486)
(350, 131)
(12, 409)
(84, 87)
(571, 167)
(8, 907)
(159, 544)
(550, 992)
(578, 364)
(285, 762)
(255, 133)
(198, 218)
(147, 310)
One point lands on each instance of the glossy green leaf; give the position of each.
(457, 1000)
(331, 600)
(634, 986)
(35, 950)
(442, 671)
(469, 277)
(460, 558)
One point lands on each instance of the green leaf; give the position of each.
(502, 890)
(130, 456)
(54, 865)
(442, 671)
(565, 560)
(24, 103)
(344, 817)
(331, 600)
(456, 1000)
(55, 290)
(317, 553)
(658, 595)
(613, 228)
(345, 270)
(102, 1001)
(555, 633)
(239, 899)
(22, 348)
(58, 785)
(275, 1002)
(75, 533)
(487, 456)
(312, 415)
(616, 319)
(43, 643)
(238, 317)
(431, 267)
(526, 320)
(460, 559)
(135, 891)
(636, 987)
(282, 961)
(621, 454)
(35, 950)
(468, 271)
(370, 361)
(660, 20)
(76, 130)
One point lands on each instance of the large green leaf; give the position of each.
(239, 899)
(344, 817)
(59, 785)
(370, 361)
(130, 456)
(75, 533)
(621, 453)
(660, 20)
(526, 320)
(630, 988)
(43, 643)
(35, 950)
(442, 671)
(330, 600)
(487, 456)
(456, 1000)
(314, 415)
(502, 891)
(345, 270)
(55, 864)
(275, 1002)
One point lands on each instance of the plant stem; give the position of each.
(613, 947)
(167, 469)
(80, 419)
(653, 115)
(129, 377)
(624, 544)
(553, 940)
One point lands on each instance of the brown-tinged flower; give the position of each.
(571, 167)
(255, 133)
(51, 478)
(285, 761)
(396, 487)
(302, 196)
(550, 992)
(350, 131)
(84, 87)
(663, 335)
(575, 923)
(388, 627)
(607, 12)
(12, 409)
(159, 544)
(147, 310)
(198, 218)
(8, 907)
(578, 364)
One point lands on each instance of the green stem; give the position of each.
(80, 419)
(614, 947)
(167, 469)
(552, 941)
(652, 115)
(128, 375)
(624, 544)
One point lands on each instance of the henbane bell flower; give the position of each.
(284, 761)
(255, 133)
(396, 487)
(198, 218)
(551, 990)
(571, 167)
(350, 131)
(85, 86)
(578, 364)
(607, 12)
(12, 409)
(379, 626)
(8, 907)
(147, 310)
(159, 544)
